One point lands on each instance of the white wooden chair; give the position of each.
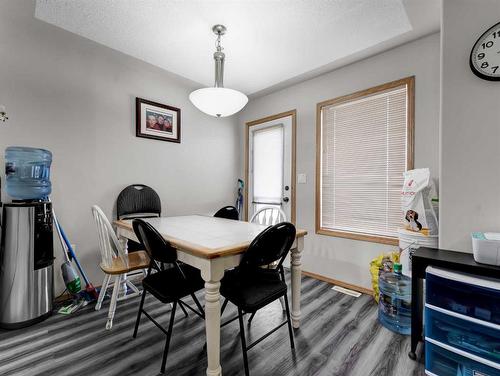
(115, 262)
(269, 216)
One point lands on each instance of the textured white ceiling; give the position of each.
(268, 41)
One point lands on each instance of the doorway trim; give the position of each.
(293, 114)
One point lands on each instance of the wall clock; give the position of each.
(485, 55)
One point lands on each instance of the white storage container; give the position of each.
(486, 247)
(409, 241)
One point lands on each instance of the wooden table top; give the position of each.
(205, 236)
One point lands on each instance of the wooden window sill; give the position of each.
(359, 236)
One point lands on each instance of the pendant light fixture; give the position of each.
(218, 100)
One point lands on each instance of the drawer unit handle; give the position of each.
(465, 278)
(463, 317)
(465, 354)
(429, 373)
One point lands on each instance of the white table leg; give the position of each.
(212, 274)
(295, 265)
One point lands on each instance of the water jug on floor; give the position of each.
(395, 300)
(27, 172)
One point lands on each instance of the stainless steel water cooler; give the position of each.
(26, 264)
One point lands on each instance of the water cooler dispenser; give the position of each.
(26, 264)
(26, 240)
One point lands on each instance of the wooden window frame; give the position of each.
(410, 147)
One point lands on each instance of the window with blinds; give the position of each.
(365, 143)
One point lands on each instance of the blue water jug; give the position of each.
(27, 173)
(395, 300)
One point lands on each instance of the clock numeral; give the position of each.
(494, 68)
(485, 65)
(480, 56)
(496, 34)
(487, 44)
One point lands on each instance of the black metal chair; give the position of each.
(137, 201)
(250, 287)
(167, 285)
(228, 212)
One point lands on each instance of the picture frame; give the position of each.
(157, 121)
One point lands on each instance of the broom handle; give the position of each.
(61, 240)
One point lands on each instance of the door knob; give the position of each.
(286, 199)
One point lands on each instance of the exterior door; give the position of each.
(270, 163)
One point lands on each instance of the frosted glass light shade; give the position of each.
(218, 101)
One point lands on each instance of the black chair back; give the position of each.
(272, 244)
(156, 246)
(228, 212)
(138, 199)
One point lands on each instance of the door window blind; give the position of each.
(267, 158)
(363, 157)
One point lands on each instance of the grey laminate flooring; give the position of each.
(339, 335)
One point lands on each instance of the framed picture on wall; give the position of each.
(157, 121)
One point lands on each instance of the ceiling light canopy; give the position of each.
(218, 100)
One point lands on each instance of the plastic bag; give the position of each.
(418, 212)
(377, 265)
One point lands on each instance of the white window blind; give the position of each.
(267, 158)
(363, 157)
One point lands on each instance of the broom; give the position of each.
(89, 287)
(70, 277)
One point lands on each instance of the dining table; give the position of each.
(214, 245)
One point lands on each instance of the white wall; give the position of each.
(470, 128)
(77, 99)
(344, 259)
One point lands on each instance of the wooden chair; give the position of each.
(115, 262)
(268, 216)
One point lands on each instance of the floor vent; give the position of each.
(347, 291)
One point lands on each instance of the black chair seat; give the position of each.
(252, 293)
(169, 285)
